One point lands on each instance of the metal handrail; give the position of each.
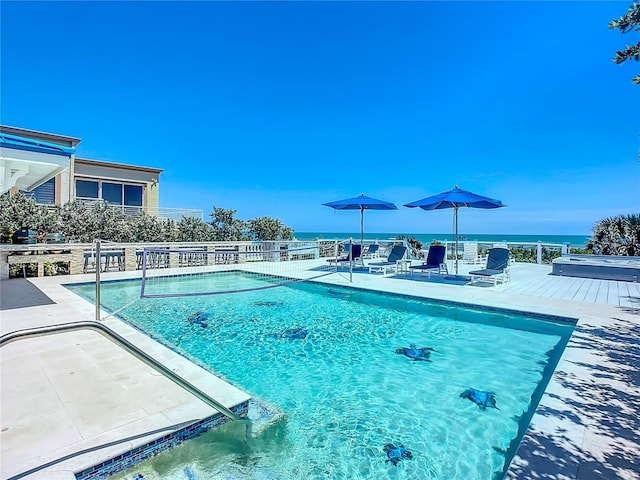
(128, 346)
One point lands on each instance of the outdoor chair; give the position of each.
(497, 267)
(387, 249)
(355, 253)
(435, 262)
(504, 245)
(391, 263)
(371, 251)
(471, 255)
(346, 247)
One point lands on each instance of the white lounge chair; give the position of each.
(397, 254)
(471, 254)
(371, 251)
(435, 262)
(497, 267)
(505, 245)
(351, 254)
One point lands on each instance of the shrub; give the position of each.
(18, 211)
(49, 269)
(580, 251)
(190, 229)
(85, 223)
(267, 228)
(415, 245)
(23, 270)
(225, 227)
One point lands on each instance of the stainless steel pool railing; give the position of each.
(128, 346)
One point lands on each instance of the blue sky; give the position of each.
(273, 108)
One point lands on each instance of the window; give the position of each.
(133, 195)
(112, 193)
(86, 189)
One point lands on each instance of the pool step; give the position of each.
(262, 416)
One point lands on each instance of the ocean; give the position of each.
(575, 241)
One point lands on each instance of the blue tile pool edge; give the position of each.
(143, 452)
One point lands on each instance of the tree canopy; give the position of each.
(225, 227)
(630, 21)
(618, 235)
(266, 228)
(85, 223)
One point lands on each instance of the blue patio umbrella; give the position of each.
(362, 203)
(455, 199)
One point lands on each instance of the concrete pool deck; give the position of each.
(79, 391)
(586, 425)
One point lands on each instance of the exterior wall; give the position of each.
(152, 196)
(148, 178)
(62, 187)
(118, 172)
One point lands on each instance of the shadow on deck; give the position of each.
(20, 293)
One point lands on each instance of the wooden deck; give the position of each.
(537, 280)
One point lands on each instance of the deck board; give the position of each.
(566, 289)
(624, 292)
(603, 292)
(582, 290)
(537, 280)
(539, 287)
(592, 293)
(634, 291)
(612, 295)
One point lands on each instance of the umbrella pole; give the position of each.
(455, 221)
(361, 227)
(361, 234)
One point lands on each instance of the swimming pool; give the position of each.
(344, 390)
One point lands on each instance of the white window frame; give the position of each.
(114, 181)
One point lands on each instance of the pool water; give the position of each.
(343, 389)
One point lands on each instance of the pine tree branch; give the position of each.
(632, 51)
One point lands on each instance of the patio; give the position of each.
(527, 279)
(584, 428)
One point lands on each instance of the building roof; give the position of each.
(24, 143)
(63, 140)
(124, 166)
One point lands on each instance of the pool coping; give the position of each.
(173, 423)
(572, 432)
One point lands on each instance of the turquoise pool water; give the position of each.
(344, 390)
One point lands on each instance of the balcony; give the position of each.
(160, 212)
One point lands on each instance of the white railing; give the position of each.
(161, 212)
(527, 249)
(531, 252)
(82, 257)
(174, 213)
